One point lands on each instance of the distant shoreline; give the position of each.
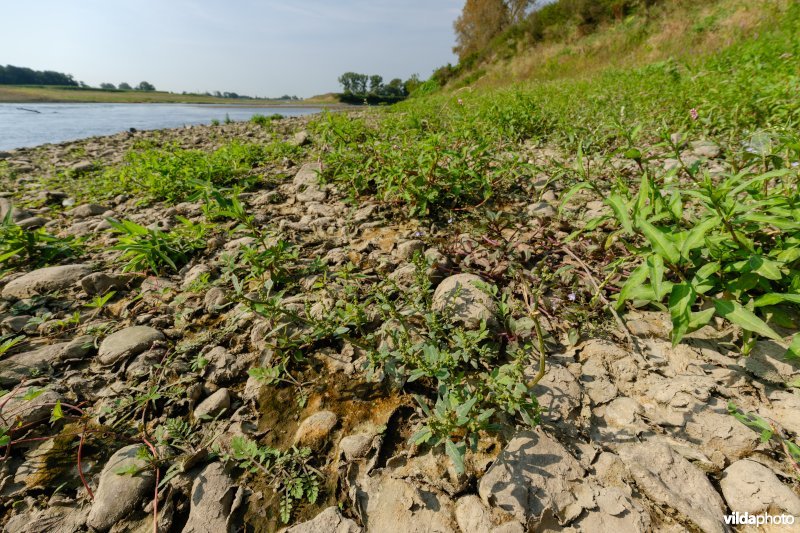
(15, 94)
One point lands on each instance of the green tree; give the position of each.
(125, 86)
(145, 86)
(375, 84)
(108, 86)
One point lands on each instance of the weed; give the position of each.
(34, 247)
(153, 249)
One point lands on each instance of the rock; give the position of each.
(328, 521)
(222, 365)
(33, 222)
(767, 362)
(390, 504)
(459, 298)
(29, 405)
(306, 182)
(355, 446)
(214, 405)
(17, 367)
(472, 515)
(215, 300)
(15, 324)
(53, 519)
(45, 280)
(87, 210)
(706, 149)
(558, 393)
(82, 167)
(750, 487)
(671, 481)
(405, 250)
(212, 502)
(127, 343)
(314, 430)
(301, 138)
(615, 513)
(119, 494)
(17, 214)
(541, 210)
(532, 475)
(99, 283)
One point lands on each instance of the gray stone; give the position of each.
(19, 410)
(212, 502)
(314, 430)
(214, 405)
(15, 368)
(33, 222)
(301, 138)
(472, 515)
(405, 250)
(88, 210)
(306, 182)
(127, 343)
(328, 521)
(670, 480)
(119, 494)
(45, 280)
(459, 298)
(355, 446)
(99, 283)
(767, 361)
(541, 210)
(82, 167)
(398, 505)
(706, 149)
(750, 487)
(532, 475)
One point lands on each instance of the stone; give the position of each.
(82, 167)
(15, 368)
(328, 521)
(706, 149)
(301, 138)
(750, 487)
(472, 515)
(214, 405)
(306, 182)
(87, 210)
(119, 494)
(99, 283)
(767, 361)
(214, 300)
(541, 210)
(44, 281)
(314, 430)
(459, 298)
(29, 405)
(212, 502)
(671, 481)
(33, 222)
(558, 392)
(532, 475)
(355, 447)
(53, 519)
(391, 504)
(405, 250)
(127, 343)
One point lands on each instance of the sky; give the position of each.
(254, 47)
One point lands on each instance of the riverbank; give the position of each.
(24, 94)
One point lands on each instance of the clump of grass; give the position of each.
(265, 120)
(156, 250)
(34, 247)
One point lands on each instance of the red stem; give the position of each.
(80, 469)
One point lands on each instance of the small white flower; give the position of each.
(572, 297)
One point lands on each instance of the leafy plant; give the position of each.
(289, 472)
(147, 248)
(34, 247)
(769, 432)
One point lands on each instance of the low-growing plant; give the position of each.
(153, 249)
(34, 247)
(290, 472)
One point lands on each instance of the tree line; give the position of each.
(358, 88)
(11, 75)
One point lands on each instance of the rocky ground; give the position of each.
(635, 434)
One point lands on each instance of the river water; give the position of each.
(22, 126)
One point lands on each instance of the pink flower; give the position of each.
(693, 112)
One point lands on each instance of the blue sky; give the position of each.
(255, 47)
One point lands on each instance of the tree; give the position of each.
(478, 23)
(145, 86)
(354, 83)
(395, 88)
(375, 84)
(482, 20)
(125, 86)
(108, 86)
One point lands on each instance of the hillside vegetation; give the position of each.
(568, 304)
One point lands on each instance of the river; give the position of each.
(23, 125)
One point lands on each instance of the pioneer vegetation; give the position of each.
(556, 289)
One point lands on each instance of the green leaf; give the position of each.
(696, 237)
(766, 268)
(660, 242)
(635, 280)
(680, 309)
(57, 413)
(655, 265)
(456, 455)
(620, 208)
(793, 353)
(700, 319)
(775, 298)
(736, 313)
